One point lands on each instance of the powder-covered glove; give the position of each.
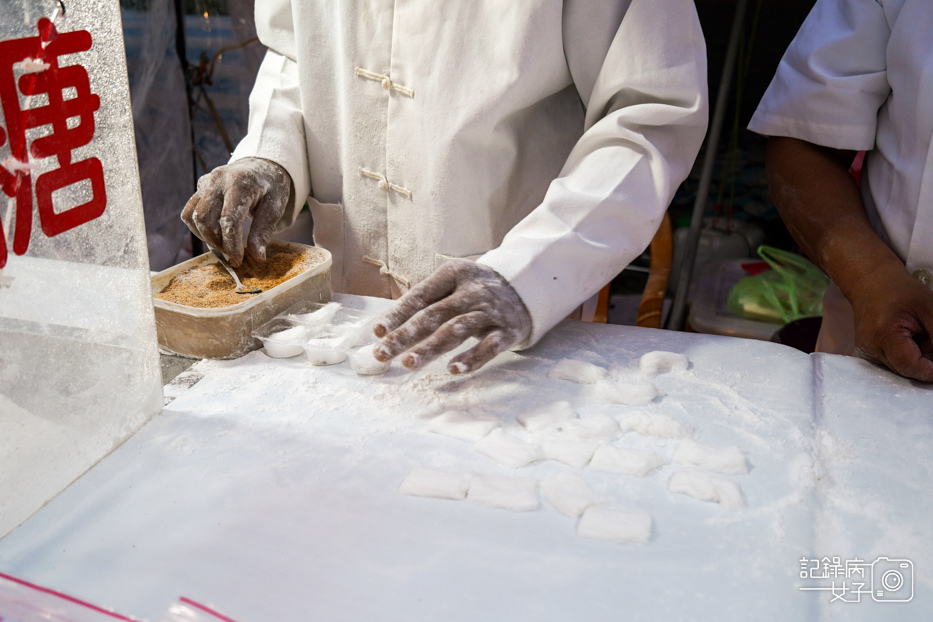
(227, 195)
(460, 300)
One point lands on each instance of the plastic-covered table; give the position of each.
(268, 489)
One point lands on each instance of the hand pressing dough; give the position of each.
(508, 450)
(594, 427)
(626, 461)
(569, 451)
(424, 482)
(324, 356)
(546, 417)
(729, 460)
(599, 523)
(570, 494)
(707, 486)
(653, 424)
(638, 393)
(577, 371)
(655, 363)
(364, 363)
(461, 425)
(518, 494)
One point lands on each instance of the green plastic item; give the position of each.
(792, 289)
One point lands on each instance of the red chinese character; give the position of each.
(37, 61)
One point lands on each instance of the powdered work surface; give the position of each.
(620, 527)
(273, 476)
(518, 494)
(422, 482)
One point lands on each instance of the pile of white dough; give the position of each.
(591, 443)
(325, 341)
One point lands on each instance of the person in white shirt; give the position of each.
(859, 77)
(494, 164)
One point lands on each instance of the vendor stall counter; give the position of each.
(268, 489)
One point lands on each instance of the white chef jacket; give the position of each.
(859, 76)
(543, 137)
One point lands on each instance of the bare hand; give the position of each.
(460, 300)
(227, 195)
(894, 322)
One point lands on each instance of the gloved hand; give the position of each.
(462, 299)
(894, 322)
(251, 187)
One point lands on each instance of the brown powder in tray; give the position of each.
(210, 286)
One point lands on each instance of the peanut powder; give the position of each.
(210, 286)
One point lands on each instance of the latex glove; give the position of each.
(227, 195)
(894, 322)
(462, 299)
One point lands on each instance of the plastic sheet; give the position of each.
(22, 601)
(80, 368)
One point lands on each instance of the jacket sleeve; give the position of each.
(646, 116)
(833, 78)
(276, 125)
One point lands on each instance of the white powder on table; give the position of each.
(508, 450)
(461, 425)
(424, 482)
(599, 523)
(625, 461)
(653, 424)
(595, 427)
(634, 393)
(706, 486)
(577, 371)
(548, 416)
(517, 494)
(729, 460)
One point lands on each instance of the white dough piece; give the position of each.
(424, 482)
(364, 363)
(286, 343)
(324, 356)
(706, 486)
(729, 460)
(570, 494)
(507, 449)
(577, 371)
(546, 417)
(461, 425)
(626, 461)
(638, 393)
(518, 494)
(568, 451)
(316, 319)
(599, 523)
(655, 363)
(595, 427)
(652, 424)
